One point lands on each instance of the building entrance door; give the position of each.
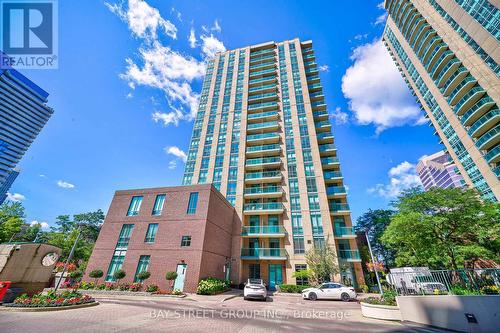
(181, 276)
(275, 276)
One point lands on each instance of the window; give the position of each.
(301, 281)
(151, 233)
(115, 264)
(254, 271)
(142, 266)
(316, 223)
(313, 202)
(319, 242)
(135, 206)
(186, 241)
(125, 235)
(159, 201)
(298, 245)
(193, 201)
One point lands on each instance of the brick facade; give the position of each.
(210, 229)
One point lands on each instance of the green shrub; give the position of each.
(389, 298)
(212, 286)
(490, 290)
(87, 285)
(119, 274)
(463, 291)
(152, 288)
(96, 274)
(364, 288)
(292, 288)
(144, 275)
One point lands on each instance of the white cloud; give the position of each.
(216, 26)
(376, 91)
(192, 38)
(15, 197)
(172, 165)
(324, 68)
(65, 184)
(381, 19)
(401, 177)
(177, 14)
(211, 45)
(42, 176)
(142, 19)
(381, 5)
(339, 117)
(176, 151)
(360, 36)
(43, 225)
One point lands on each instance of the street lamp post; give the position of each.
(374, 265)
(68, 259)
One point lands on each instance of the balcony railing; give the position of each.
(322, 114)
(263, 190)
(263, 230)
(264, 79)
(324, 135)
(262, 125)
(349, 255)
(327, 147)
(262, 105)
(490, 117)
(264, 160)
(263, 206)
(492, 154)
(330, 160)
(336, 190)
(262, 72)
(337, 207)
(262, 64)
(314, 86)
(255, 53)
(262, 115)
(487, 137)
(344, 231)
(260, 96)
(264, 174)
(262, 148)
(263, 253)
(257, 88)
(332, 175)
(255, 137)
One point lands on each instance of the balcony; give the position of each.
(336, 191)
(477, 110)
(469, 99)
(263, 97)
(315, 87)
(330, 162)
(268, 115)
(454, 79)
(318, 106)
(271, 137)
(263, 106)
(485, 123)
(349, 255)
(313, 79)
(489, 139)
(263, 231)
(267, 254)
(325, 137)
(266, 79)
(263, 208)
(263, 126)
(461, 89)
(344, 232)
(327, 149)
(308, 56)
(322, 126)
(447, 71)
(263, 72)
(263, 58)
(320, 115)
(262, 88)
(259, 163)
(264, 150)
(493, 156)
(263, 192)
(259, 52)
(339, 208)
(316, 96)
(273, 176)
(263, 65)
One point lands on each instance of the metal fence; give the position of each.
(439, 282)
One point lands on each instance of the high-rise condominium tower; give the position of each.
(437, 170)
(449, 53)
(263, 138)
(23, 113)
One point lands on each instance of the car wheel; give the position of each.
(245, 298)
(313, 296)
(345, 297)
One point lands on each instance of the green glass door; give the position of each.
(275, 276)
(274, 247)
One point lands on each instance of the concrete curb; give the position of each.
(48, 308)
(230, 297)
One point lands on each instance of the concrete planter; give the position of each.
(97, 293)
(385, 312)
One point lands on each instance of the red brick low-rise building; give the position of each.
(186, 229)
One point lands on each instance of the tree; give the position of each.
(171, 276)
(443, 228)
(374, 222)
(119, 274)
(96, 274)
(144, 275)
(322, 263)
(11, 220)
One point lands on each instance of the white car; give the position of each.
(256, 289)
(330, 290)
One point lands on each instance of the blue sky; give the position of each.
(129, 77)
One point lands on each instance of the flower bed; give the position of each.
(51, 299)
(127, 289)
(212, 286)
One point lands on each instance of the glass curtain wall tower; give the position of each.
(448, 52)
(262, 137)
